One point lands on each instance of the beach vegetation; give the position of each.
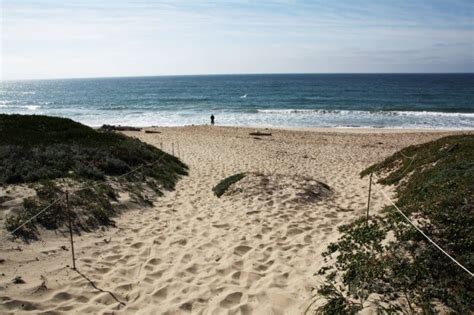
(52, 155)
(224, 184)
(386, 262)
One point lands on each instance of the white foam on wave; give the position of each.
(303, 121)
(274, 118)
(426, 113)
(360, 112)
(32, 107)
(7, 104)
(287, 111)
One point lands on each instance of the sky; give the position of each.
(90, 38)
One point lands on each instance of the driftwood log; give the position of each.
(258, 133)
(119, 128)
(152, 131)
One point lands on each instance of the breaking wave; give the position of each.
(360, 112)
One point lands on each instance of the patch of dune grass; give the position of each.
(224, 184)
(435, 188)
(41, 150)
(34, 148)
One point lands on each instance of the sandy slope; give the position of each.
(244, 253)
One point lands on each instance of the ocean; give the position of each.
(441, 101)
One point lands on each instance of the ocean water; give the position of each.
(442, 101)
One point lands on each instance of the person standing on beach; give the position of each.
(212, 119)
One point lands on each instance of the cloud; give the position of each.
(124, 37)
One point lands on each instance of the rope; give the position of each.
(408, 157)
(30, 219)
(409, 164)
(75, 191)
(123, 175)
(422, 233)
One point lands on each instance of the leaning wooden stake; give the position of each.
(368, 200)
(70, 231)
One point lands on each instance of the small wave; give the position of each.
(359, 112)
(426, 113)
(28, 107)
(28, 93)
(31, 107)
(118, 107)
(288, 111)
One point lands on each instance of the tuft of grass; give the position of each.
(224, 184)
(435, 188)
(39, 150)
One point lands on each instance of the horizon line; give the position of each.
(226, 74)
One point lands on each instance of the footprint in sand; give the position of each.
(154, 261)
(181, 242)
(231, 300)
(161, 293)
(242, 250)
(112, 257)
(221, 226)
(188, 306)
(61, 297)
(186, 258)
(125, 287)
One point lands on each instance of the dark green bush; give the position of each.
(40, 149)
(435, 187)
(224, 184)
(33, 148)
(28, 231)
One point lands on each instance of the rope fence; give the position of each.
(373, 181)
(377, 186)
(30, 219)
(123, 175)
(412, 158)
(65, 193)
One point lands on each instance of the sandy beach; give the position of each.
(255, 250)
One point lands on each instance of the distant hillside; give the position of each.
(388, 260)
(52, 154)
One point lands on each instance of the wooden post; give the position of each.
(70, 231)
(172, 148)
(161, 145)
(179, 153)
(368, 200)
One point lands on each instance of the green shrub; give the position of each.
(40, 149)
(99, 216)
(435, 187)
(224, 184)
(34, 148)
(28, 231)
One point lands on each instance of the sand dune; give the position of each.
(243, 253)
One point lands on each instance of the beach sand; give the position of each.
(255, 250)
